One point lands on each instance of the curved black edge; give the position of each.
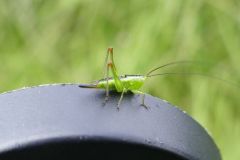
(90, 147)
(31, 115)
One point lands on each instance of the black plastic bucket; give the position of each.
(67, 122)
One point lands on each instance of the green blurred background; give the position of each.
(66, 41)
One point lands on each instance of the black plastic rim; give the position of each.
(50, 120)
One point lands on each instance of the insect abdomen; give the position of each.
(103, 84)
(129, 82)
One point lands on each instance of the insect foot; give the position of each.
(118, 105)
(145, 106)
(118, 108)
(105, 100)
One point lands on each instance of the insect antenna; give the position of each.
(196, 74)
(169, 64)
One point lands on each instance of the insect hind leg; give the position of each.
(107, 86)
(109, 64)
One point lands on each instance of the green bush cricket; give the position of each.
(122, 84)
(132, 83)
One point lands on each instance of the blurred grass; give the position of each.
(65, 41)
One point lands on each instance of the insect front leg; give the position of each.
(142, 98)
(107, 86)
(143, 101)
